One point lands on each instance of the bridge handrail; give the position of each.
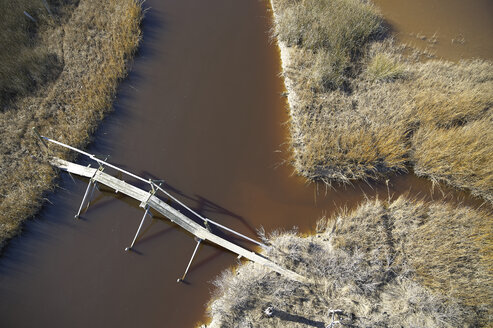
(104, 163)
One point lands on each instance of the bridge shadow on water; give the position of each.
(206, 208)
(210, 209)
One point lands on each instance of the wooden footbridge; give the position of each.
(149, 199)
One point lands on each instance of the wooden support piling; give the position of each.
(171, 213)
(138, 230)
(190, 262)
(89, 185)
(94, 187)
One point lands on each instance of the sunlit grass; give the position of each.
(383, 264)
(357, 102)
(94, 40)
(383, 67)
(25, 62)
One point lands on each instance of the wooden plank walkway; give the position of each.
(149, 199)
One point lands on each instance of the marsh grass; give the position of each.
(383, 264)
(26, 63)
(361, 109)
(94, 41)
(336, 41)
(384, 67)
(351, 25)
(460, 156)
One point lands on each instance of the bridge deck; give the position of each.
(172, 214)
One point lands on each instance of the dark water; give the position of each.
(201, 109)
(462, 29)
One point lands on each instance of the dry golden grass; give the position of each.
(360, 109)
(336, 42)
(384, 67)
(25, 63)
(400, 264)
(358, 115)
(351, 25)
(461, 156)
(451, 111)
(94, 40)
(449, 248)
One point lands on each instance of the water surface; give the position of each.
(203, 110)
(450, 29)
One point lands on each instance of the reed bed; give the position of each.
(89, 45)
(360, 109)
(382, 265)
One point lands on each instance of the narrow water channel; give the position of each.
(203, 110)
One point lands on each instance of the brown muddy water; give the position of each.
(449, 29)
(203, 110)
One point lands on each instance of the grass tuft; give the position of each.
(334, 41)
(383, 67)
(350, 26)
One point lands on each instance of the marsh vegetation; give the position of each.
(360, 109)
(385, 264)
(58, 72)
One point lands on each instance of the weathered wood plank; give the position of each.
(64, 165)
(101, 177)
(121, 186)
(172, 214)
